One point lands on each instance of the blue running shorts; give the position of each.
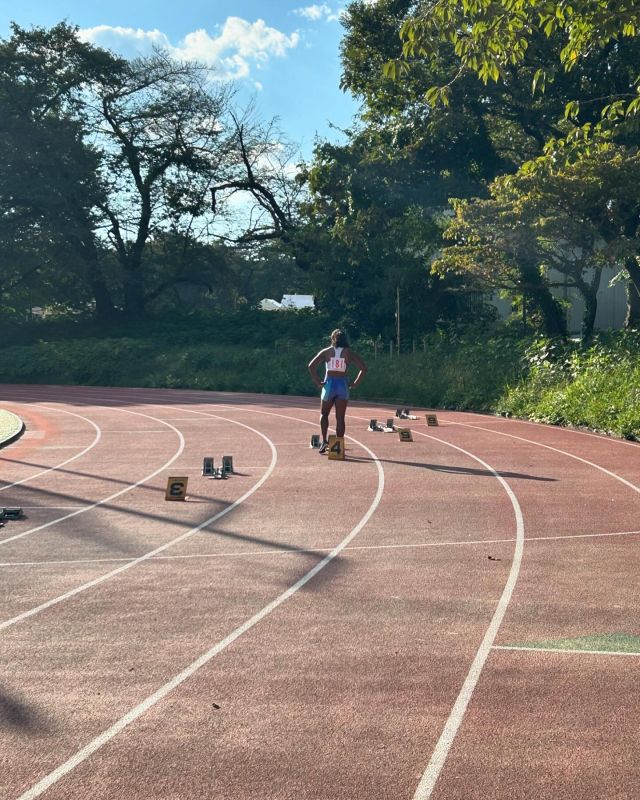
(335, 388)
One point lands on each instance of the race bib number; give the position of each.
(338, 364)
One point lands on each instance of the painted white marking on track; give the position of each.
(565, 650)
(163, 691)
(450, 730)
(302, 550)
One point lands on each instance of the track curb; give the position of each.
(11, 427)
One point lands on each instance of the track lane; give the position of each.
(462, 756)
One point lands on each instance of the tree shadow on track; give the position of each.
(447, 468)
(273, 547)
(16, 714)
(27, 485)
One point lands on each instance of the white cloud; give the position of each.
(318, 12)
(238, 45)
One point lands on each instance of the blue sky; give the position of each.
(283, 53)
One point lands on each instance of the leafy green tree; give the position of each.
(49, 184)
(575, 214)
(491, 38)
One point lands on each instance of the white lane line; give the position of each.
(132, 563)
(298, 551)
(602, 436)
(115, 494)
(188, 672)
(69, 460)
(565, 650)
(438, 757)
(557, 450)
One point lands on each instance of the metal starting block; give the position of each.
(219, 474)
(207, 466)
(315, 440)
(389, 427)
(373, 425)
(10, 513)
(227, 465)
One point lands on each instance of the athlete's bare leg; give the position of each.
(325, 410)
(341, 410)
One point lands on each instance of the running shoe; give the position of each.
(324, 447)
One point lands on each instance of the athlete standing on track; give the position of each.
(335, 387)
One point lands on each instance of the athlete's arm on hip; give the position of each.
(354, 358)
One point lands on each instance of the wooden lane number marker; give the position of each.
(405, 435)
(176, 488)
(336, 448)
(432, 420)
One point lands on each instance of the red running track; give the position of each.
(452, 618)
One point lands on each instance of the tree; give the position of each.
(497, 249)
(118, 155)
(49, 186)
(492, 37)
(575, 212)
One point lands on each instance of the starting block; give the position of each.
(315, 440)
(373, 425)
(207, 466)
(220, 474)
(336, 448)
(389, 427)
(227, 464)
(432, 420)
(10, 513)
(405, 435)
(176, 488)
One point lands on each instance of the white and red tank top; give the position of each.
(337, 362)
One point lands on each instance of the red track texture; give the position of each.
(307, 629)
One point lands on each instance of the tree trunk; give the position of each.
(105, 309)
(134, 300)
(553, 318)
(632, 319)
(589, 291)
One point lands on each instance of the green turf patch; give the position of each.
(609, 642)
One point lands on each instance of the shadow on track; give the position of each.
(16, 714)
(483, 473)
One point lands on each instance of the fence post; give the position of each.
(390, 348)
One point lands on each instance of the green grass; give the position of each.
(595, 386)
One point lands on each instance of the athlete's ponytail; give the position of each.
(339, 338)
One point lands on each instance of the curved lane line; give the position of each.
(112, 496)
(556, 450)
(434, 768)
(146, 556)
(163, 691)
(438, 757)
(62, 463)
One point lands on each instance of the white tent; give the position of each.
(270, 305)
